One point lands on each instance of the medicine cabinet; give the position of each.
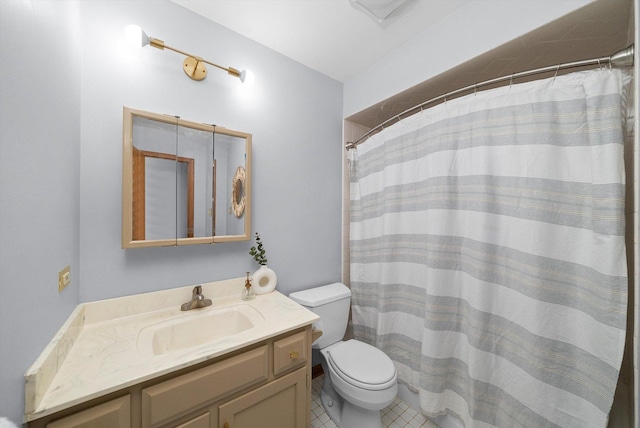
(183, 182)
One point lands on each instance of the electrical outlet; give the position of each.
(64, 278)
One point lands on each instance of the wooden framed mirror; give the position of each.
(178, 182)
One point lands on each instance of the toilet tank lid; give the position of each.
(321, 295)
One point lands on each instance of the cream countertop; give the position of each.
(95, 352)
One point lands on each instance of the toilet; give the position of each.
(359, 379)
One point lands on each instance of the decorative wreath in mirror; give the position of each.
(238, 191)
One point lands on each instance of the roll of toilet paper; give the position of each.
(264, 280)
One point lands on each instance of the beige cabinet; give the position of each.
(164, 401)
(202, 421)
(279, 404)
(290, 352)
(267, 384)
(114, 413)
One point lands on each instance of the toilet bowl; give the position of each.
(359, 379)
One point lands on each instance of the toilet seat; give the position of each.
(362, 365)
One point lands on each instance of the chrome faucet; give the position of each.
(197, 300)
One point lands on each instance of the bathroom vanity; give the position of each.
(141, 362)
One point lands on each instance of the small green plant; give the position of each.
(259, 253)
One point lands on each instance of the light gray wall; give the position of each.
(293, 113)
(39, 182)
(468, 32)
(66, 74)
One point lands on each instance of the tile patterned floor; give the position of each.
(397, 415)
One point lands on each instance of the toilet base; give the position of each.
(345, 414)
(357, 417)
(332, 405)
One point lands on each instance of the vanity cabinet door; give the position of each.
(173, 398)
(114, 413)
(279, 404)
(290, 352)
(201, 421)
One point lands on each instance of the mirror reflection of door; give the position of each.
(162, 195)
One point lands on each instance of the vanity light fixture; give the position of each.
(193, 66)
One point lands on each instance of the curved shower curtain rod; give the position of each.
(623, 58)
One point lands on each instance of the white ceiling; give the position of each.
(330, 36)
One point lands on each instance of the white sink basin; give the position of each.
(197, 327)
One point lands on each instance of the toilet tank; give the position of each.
(331, 303)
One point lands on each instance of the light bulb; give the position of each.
(247, 77)
(135, 36)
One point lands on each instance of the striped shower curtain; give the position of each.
(488, 254)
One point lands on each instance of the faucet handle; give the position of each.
(197, 300)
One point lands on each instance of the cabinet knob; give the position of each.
(294, 354)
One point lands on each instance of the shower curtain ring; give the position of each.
(555, 75)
